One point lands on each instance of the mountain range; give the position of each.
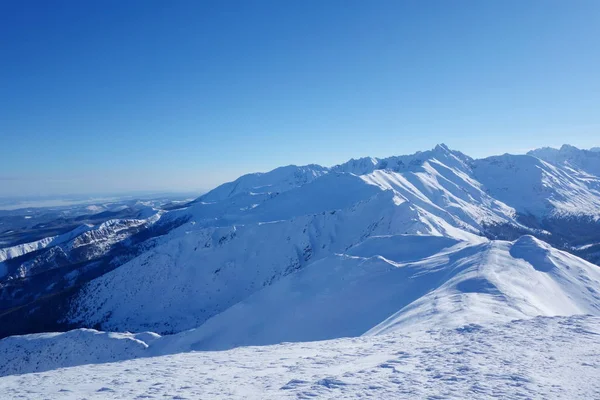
(302, 253)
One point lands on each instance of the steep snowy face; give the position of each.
(535, 187)
(405, 283)
(571, 157)
(446, 192)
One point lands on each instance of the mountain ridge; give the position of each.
(203, 258)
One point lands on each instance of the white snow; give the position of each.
(405, 282)
(553, 358)
(16, 251)
(535, 187)
(570, 156)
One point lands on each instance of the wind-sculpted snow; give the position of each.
(499, 282)
(545, 358)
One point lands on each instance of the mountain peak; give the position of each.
(568, 148)
(442, 147)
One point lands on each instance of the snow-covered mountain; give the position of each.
(535, 187)
(369, 247)
(405, 283)
(571, 157)
(245, 237)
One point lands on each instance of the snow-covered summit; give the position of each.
(277, 180)
(402, 163)
(571, 157)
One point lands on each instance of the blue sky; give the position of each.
(113, 96)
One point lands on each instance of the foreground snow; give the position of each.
(555, 357)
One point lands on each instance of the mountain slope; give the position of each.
(217, 267)
(571, 157)
(248, 239)
(405, 282)
(535, 187)
(275, 181)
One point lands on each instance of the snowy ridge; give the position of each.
(366, 165)
(277, 180)
(241, 238)
(372, 249)
(418, 281)
(86, 242)
(17, 251)
(571, 157)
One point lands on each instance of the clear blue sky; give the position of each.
(101, 96)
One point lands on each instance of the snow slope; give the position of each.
(217, 267)
(535, 187)
(571, 157)
(277, 180)
(405, 282)
(554, 358)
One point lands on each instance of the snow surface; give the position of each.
(557, 358)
